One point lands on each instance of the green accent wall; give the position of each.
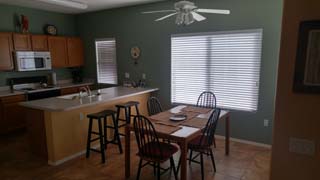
(37, 19)
(131, 28)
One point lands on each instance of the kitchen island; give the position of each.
(58, 126)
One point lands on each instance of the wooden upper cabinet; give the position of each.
(22, 42)
(75, 52)
(58, 49)
(6, 47)
(39, 42)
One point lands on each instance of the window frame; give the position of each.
(256, 30)
(97, 59)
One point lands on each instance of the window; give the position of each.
(226, 63)
(106, 61)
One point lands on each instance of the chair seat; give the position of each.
(128, 104)
(155, 155)
(199, 144)
(101, 114)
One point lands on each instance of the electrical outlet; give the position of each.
(81, 116)
(144, 76)
(127, 75)
(302, 146)
(266, 122)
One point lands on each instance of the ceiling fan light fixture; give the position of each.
(188, 19)
(184, 19)
(179, 19)
(67, 3)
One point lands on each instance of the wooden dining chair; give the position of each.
(207, 99)
(202, 144)
(151, 149)
(154, 106)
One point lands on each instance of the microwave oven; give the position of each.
(32, 60)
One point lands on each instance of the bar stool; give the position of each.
(127, 110)
(102, 134)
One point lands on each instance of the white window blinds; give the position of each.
(106, 61)
(226, 63)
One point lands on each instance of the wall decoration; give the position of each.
(50, 29)
(135, 54)
(24, 24)
(307, 67)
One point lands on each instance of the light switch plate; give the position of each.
(302, 146)
(127, 75)
(81, 116)
(144, 76)
(266, 122)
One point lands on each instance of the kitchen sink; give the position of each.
(77, 96)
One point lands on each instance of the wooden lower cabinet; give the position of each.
(12, 115)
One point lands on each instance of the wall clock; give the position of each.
(51, 30)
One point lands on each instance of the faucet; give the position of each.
(85, 89)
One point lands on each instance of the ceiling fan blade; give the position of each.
(197, 16)
(215, 11)
(160, 11)
(164, 17)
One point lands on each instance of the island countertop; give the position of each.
(107, 94)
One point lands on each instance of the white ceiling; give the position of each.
(93, 5)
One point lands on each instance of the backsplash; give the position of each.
(63, 73)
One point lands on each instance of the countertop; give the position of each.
(70, 85)
(5, 91)
(108, 94)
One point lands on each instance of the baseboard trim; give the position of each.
(61, 161)
(245, 141)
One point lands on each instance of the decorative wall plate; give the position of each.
(135, 52)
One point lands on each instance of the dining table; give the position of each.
(180, 132)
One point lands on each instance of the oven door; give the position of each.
(43, 94)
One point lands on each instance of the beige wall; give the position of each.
(296, 115)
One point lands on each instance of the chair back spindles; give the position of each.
(146, 137)
(210, 129)
(207, 100)
(154, 106)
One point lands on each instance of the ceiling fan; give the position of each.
(187, 12)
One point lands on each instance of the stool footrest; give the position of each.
(111, 127)
(95, 139)
(112, 142)
(94, 150)
(122, 125)
(96, 133)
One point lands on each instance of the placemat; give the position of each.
(164, 118)
(166, 129)
(199, 110)
(196, 122)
